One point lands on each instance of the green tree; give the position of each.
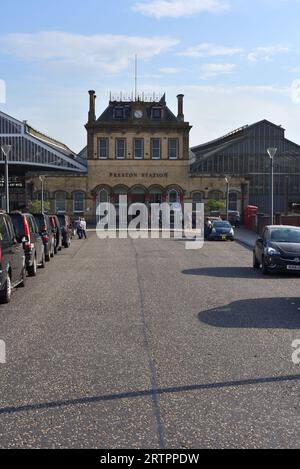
(35, 206)
(214, 205)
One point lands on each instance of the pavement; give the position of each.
(246, 237)
(144, 344)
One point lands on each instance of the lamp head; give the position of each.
(272, 152)
(6, 149)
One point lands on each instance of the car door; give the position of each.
(38, 240)
(16, 252)
(259, 246)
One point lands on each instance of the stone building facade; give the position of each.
(139, 148)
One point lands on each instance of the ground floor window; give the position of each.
(233, 201)
(60, 201)
(197, 199)
(78, 202)
(173, 196)
(138, 196)
(38, 195)
(215, 195)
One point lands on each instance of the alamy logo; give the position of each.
(154, 221)
(296, 354)
(2, 352)
(2, 92)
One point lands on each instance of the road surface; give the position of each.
(144, 344)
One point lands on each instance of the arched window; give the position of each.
(138, 195)
(155, 195)
(233, 200)
(197, 199)
(103, 196)
(173, 196)
(78, 202)
(215, 195)
(60, 201)
(38, 195)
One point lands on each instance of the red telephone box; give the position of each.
(250, 210)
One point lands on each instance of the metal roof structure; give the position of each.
(33, 151)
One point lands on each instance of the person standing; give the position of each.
(83, 227)
(79, 228)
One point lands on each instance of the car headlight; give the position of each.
(232, 231)
(272, 252)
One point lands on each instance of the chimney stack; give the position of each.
(180, 107)
(92, 110)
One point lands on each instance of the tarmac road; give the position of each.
(144, 344)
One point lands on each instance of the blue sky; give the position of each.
(236, 61)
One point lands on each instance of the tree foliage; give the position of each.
(35, 206)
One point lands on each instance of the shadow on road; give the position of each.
(235, 272)
(149, 393)
(263, 313)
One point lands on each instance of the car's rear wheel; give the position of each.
(32, 269)
(256, 264)
(5, 294)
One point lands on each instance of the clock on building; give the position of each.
(138, 114)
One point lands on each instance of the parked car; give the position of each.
(56, 230)
(12, 259)
(234, 216)
(66, 229)
(45, 229)
(27, 233)
(278, 249)
(220, 230)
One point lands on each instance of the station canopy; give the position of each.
(33, 151)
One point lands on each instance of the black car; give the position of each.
(12, 259)
(27, 233)
(66, 229)
(45, 229)
(56, 230)
(220, 230)
(278, 249)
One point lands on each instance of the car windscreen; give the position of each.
(285, 235)
(221, 225)
(40, 220)
(18, 226)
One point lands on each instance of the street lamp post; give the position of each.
(42, 179)
(272, 152)
(6, 150)
(227, 197)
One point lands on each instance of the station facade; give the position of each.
(138, 148)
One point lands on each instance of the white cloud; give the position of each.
(212, 70)
(178, 8)
(266, 53)
(210, 50)
(107, 53)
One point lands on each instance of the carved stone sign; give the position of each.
(144, 175)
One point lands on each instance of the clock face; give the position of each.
(138, 114)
